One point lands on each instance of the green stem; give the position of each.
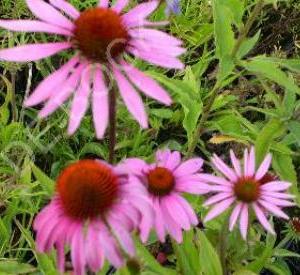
(214, 93)
(223, 245)
(112, 126)
(13, 96)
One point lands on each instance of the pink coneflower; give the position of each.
(244, 189)
(94, 210)
(101, 37)
(166, 180)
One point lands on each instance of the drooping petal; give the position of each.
(131, 98)
(146, 84)
(263, 168)
(236, 164)
(48, 85)
(234, 215)
(279, 202)
(100, 104)
(33, 52)
(63, 94)
(273, 209)
(33, 26)
(47, 13)
(158, 221)
(66, 7)
(244, 220)
(120, 5)
(77, 252)
(60, 256)
(262, 219)
(187, 208)
(218, 209)
(176, 212)
(190, 166)
(278, 195)
(80, 102)
(137, 15)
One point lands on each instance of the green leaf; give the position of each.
(224, 37)
(94, 148)
(294, 128)
(265, 137)
(280, 252)
(257, 265)
(237, 10)
(244, 272)
(13, 267)
(208, 257)
(45, 181)
(283, 165)
(271, 70)
(247, 45)
(187, 255)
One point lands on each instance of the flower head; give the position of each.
(165, 181)
(100, 38)
(245, 188)
(93, 210)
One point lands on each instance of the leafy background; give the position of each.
(254, 80)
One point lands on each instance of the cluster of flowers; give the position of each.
(97, 206)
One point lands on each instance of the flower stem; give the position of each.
(214, 93)
(112, 126)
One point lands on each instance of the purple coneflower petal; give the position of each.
(176, 212)
(66, 7)
(123, 236)
(244, 219)
(47, 13)
(173, 160)
(131, 98)
(152, 35)
(278, 202)
(251, 163)
(262, 219)
(223, 168)
(190, 166)
(160, 60)
(33, 52)
(273, 209)
(171, 225)
(103, 3)
(135, 16)
(77, 252)
(275, 186)
(80, 102)
(217, 198)
(61, 256)
(246, 161)
(187, 208)
(277, 195)
(62, 95)
(234, 215)
(130, 166)
(213, 179)
(218, 209)
(120, 5)
(146, 84)
(48, 85)
(94, 251)
(263, 168)
(236, 164)
(100, 104)
(158, 221)
(193, 187)
(162, 156)
(33, 26)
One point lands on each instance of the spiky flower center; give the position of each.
(160, 181)
(100, 34)
(296, 224)
(247, 190)
(87, 189)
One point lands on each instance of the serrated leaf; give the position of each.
(45, 181)
(247, 45)
(294, 128)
